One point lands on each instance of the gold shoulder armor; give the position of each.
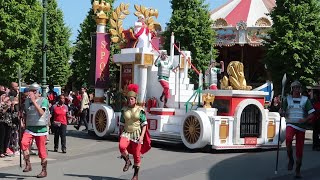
(124, 108)
(140, 108)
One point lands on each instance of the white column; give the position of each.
(149, 45)
(143, 71)
(201, 80)
(177, 85)
(97, 91)
(172, 47)
(186, 65)
(101, 28)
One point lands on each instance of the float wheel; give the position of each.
(100, 121)
(192, 129)
(196, 130)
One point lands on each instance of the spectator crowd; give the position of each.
(66, 108)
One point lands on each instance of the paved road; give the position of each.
(96, 159)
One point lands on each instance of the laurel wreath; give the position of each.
(121, 12)
(147, 13)
(116, 22)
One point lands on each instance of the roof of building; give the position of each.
(248, 11)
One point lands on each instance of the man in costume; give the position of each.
(164, 66)
(211, 76)
(141, 32)
(298, 111)
(37, 115)
(134, 135)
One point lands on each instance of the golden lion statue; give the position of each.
(236, 79)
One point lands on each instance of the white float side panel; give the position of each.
(171, 128)
(236, 93)
(176, 120)
(161, 121)
(216, 122)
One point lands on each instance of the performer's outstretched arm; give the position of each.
(157, 61)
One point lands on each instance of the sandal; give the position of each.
(2, 156)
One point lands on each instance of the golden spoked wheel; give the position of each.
(191, 129)
(100, 121)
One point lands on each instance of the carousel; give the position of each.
(232, 117)
(241, 27)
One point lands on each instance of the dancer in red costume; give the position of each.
(134, 135)
(164, 66)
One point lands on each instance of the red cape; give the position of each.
(146, 146)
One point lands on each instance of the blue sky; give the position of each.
(76, 10)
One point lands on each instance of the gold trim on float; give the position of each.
(271, 130)
(224, 130)
(148, 59)
(223, 141)
(143, 59)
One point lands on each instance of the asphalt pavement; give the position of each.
(97, 159)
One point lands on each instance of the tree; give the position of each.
(59, 49)
(82, 53)
(294, 44)
(192, 27)
(20, 24)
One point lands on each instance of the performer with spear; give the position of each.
(298, 111)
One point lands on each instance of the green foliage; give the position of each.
(191, 25)
(59, 49)
(294, 44)
(82, 53)
(20, 24)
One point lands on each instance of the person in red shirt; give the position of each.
(59, 113)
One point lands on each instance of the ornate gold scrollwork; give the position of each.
(99, 9)
(220, 22)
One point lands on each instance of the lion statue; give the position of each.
(236, 79)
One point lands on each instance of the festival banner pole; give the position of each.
(19, 114)
(284, 79)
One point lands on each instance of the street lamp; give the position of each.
(44, 49)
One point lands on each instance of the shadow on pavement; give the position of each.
(80, 134)
(170, 147)
(312, 173)
(253, 165)
(92, 177)
(208, 149)
(13, 176)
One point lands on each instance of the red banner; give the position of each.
(126, 75)
(102, 60)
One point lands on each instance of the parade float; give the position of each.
(232, 117)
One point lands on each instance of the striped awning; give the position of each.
(252, 12)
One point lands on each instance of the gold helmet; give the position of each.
(132, 90)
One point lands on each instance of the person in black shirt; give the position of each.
(275, 104)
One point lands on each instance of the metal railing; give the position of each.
(196, 95)
(188, 60)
